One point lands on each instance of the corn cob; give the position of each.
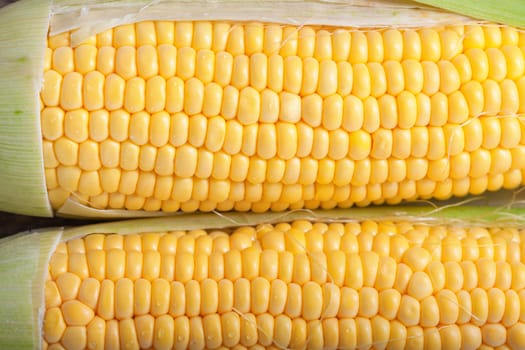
(201, 115)
(341, 280)
(165, 116)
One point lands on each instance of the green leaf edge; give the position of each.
(510, 12)
(449, 214)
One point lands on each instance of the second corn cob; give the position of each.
(340, 281)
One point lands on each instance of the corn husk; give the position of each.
(100, 15)
(23, 28)
(509, 12)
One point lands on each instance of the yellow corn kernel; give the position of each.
(451, 43)
(431, 45)
(159, 129)
(240, 73)
(235, 44)
(54, 325)
(249, 106)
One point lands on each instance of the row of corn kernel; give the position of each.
(271, 261)
(182, 136)
(349, 114)
(266, 332)
(370, 270)
(293, 74)
(362, 195)
(215, 91)
(144, 162)
(321, 43)
(384, 238)
(247, 184)
(126, 299)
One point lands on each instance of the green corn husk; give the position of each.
(508, 12)
(23, 28)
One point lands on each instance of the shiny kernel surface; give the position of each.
(292, 282)
(141, 116)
